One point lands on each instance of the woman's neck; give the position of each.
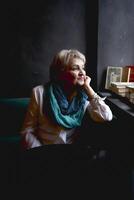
(69, 91)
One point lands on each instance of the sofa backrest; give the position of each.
(12, 113)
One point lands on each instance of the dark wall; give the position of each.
(92, 40)
(32, 34)
(115, 36)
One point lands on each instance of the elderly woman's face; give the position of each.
(74, 74)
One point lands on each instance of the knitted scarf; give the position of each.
(66, 114)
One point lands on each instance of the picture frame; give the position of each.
(113, 74)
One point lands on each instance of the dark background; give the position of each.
(34, 32)
(31, 34)
(115, 36)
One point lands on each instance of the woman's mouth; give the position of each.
(81, 78)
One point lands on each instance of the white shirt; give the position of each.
(38, 129)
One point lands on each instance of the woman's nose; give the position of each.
(81, 72)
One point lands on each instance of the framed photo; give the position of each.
(113, 74)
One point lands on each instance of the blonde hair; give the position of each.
(62, 59)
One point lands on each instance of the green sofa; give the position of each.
(12, 113)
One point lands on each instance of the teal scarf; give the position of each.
(68, 115)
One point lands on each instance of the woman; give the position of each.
(57, 108)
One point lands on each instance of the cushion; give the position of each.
(12, 113)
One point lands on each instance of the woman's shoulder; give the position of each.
(38, 88)
(37, 93)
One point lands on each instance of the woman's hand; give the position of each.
(87, 82)
(88, 89)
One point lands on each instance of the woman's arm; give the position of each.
(29, 127)
(98, 109)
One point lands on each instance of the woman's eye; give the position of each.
(74, 68)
